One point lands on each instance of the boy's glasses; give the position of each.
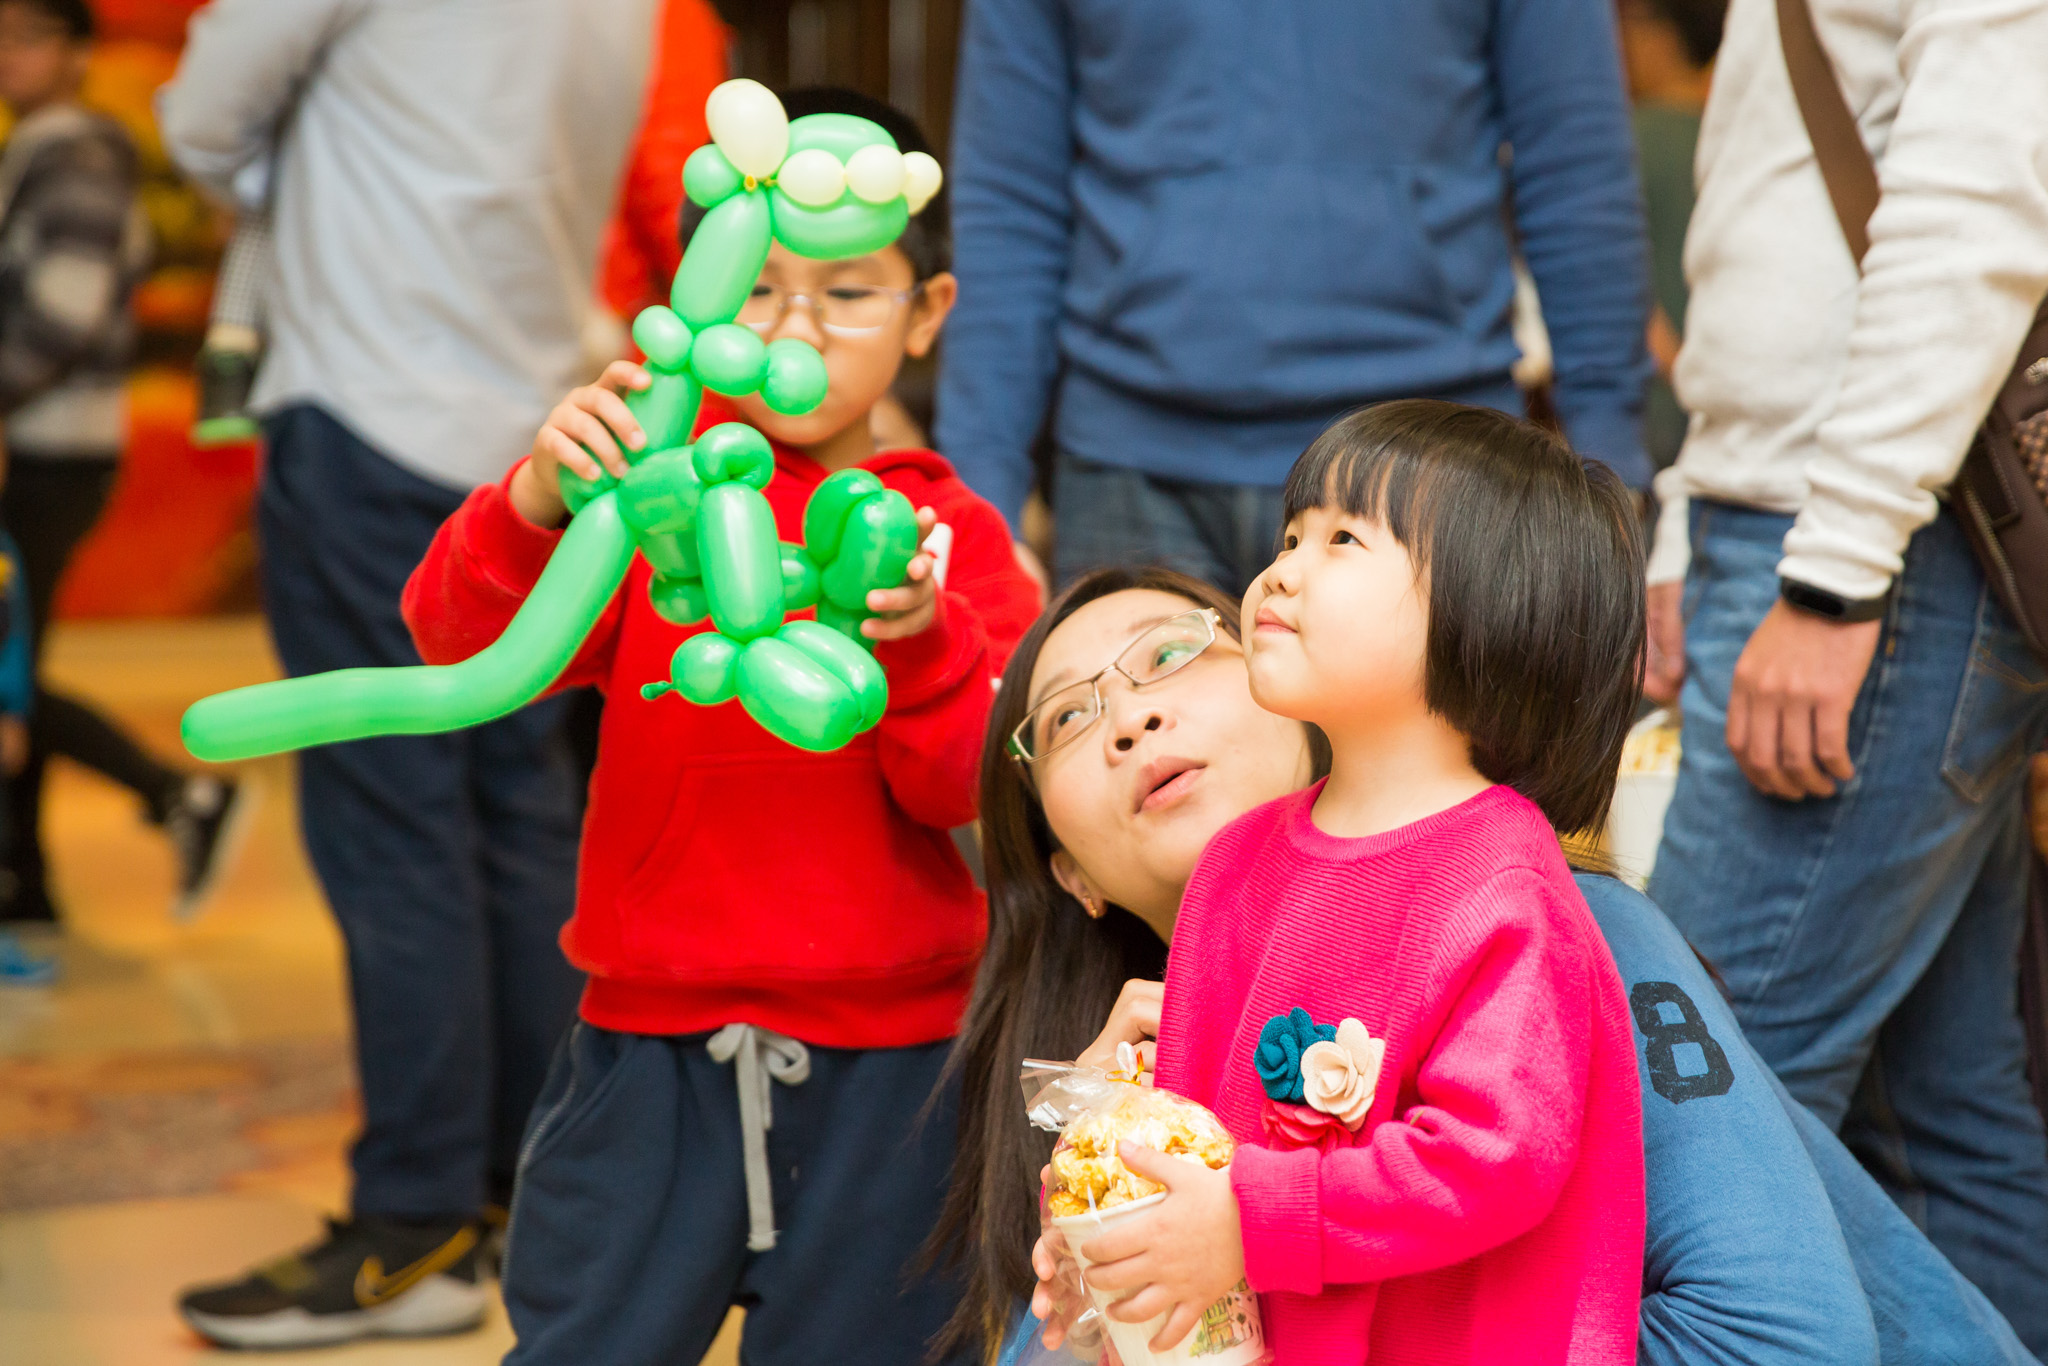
(845, 310)
(1159, 652)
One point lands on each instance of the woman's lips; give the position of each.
(1165, 782)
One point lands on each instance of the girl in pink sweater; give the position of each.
(1388, 986)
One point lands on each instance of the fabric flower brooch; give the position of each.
(1319, 1080)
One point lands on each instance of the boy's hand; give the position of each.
(13, 745)
(1181, 1257)
(592, 420)
(909, 608)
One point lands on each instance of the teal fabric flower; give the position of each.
(1278, 1056)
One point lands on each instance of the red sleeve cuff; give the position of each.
(935, 659)
(507, 550)
(1279, 1206)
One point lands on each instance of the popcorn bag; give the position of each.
(1091, 1191)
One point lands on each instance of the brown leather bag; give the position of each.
(2001, 493)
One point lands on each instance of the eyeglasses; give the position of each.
(1159, 652)
(845, 310)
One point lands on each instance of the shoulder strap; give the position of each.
(1845, 162)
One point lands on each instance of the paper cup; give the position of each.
(1229, 1334)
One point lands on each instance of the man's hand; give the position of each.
(1788, 711)
(592, 421)
(911, 606)
(1664, 659)
(1133, 1020)
(1182, 1256)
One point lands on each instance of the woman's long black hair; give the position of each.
(1048, 980)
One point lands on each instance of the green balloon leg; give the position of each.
(350, 704)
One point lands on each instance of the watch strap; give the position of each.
(1831, 606)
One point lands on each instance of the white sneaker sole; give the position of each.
(437, 1305)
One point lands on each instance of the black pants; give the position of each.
(629, 1238)
(449, 860)
(49, 506)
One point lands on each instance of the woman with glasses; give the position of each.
(1123, 737)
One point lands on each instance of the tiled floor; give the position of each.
(176, 1108)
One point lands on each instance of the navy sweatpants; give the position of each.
(629, 1232)
(449, 860)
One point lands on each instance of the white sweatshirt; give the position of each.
(444, 175)
(1848, 401)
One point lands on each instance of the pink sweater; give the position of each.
(1490, 1210)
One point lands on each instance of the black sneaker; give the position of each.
(225, 379)
(205, 825)
(372, 1277)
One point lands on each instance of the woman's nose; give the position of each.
(1128, 715)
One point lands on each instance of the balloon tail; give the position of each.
(350, 704)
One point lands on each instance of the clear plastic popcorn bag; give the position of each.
(1090, 1191)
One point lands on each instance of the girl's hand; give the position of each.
(592, 421)
(912, 605)
(1182, 1257)
(1133, 1020)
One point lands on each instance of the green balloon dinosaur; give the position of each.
(826, 186)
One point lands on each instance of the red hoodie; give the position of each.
(726, 876)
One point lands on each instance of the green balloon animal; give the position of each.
(825, 186)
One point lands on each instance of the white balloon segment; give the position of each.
(751, 127)
(876, 173)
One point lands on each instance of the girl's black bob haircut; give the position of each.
(1533, 562)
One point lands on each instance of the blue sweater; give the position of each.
(1768, 1244)
(1215, 226)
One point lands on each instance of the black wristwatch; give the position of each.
(1834, 607)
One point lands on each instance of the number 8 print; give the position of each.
(1663, 1036)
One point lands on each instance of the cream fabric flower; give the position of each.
(1339, 1078)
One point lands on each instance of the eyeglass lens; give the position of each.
(843, 308)
(1157, 653)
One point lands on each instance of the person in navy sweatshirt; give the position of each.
(1196, 231)
(779, 943)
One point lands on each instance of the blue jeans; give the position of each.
(1870, 940)
(449, 860)
(1109, 515)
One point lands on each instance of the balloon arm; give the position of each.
(572, 592)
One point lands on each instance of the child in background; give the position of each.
(73, 245)
(1388, 986)
(779, 943)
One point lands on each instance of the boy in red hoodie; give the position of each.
(778, 943)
